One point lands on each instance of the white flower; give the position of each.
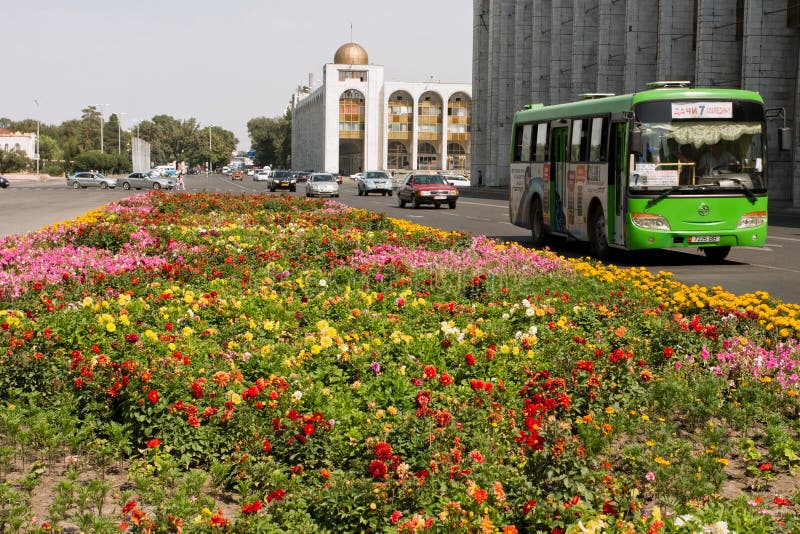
(323, 283)
(297, 395)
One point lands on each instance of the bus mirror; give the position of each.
(636, 141)
(785, 138)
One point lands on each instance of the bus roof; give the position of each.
(620, 103)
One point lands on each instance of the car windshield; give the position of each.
(429, 179)
(283, 174)
(377, 175)
(322, 178)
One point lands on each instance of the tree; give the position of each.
(271, 139)
(12, 160)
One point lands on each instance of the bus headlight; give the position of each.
(752, 219)
(649, 221)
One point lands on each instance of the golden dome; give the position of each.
(351, 54)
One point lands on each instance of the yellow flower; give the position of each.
(111, 327)
(722, 461)
(661, 461)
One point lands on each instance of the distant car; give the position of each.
(426, 188)
(236, 175)
(282, 180)
(141, 180)
(226, 170)
(251, 172)
(170, 172)
(322, 184)
(84, 179)
(302, 176)
(261, 176)
(374, 182)
(458, 180)
(357, 176)
(3, 181)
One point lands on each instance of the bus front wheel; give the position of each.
(598, 240)
(537, 222)
(716, 254)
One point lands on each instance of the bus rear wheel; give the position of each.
(537, 223)
(598, 241)
(716, 254)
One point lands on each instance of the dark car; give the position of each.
(282, 180)
(426, 188)
(3, 181)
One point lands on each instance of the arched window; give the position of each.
(427, 157)
(398, 157)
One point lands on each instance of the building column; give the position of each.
(445, 124)
(480, 97)
(541, 51)
(675, 37)
(641, 44)
(585, 16)
(523, 40)
(719, 55)
(414, 133)
(561, 42)
(611, 46)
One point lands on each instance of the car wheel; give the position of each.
(126, 186)
(103, 185)
(415, 203)
(716, 254)
(390, 193)
(360, 192)
(292, 189)
(537, 222)
(75, 185)
(598, 242)
(436, 205)
(156, 186)
(400, 202)
(451, 204)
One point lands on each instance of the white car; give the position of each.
(375, 182)
(322, 184)
(357, 176)
(261, 176)
(458, 180)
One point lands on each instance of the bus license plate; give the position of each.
(704, 239)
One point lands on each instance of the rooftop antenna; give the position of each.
(351, 32)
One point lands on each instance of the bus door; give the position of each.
(558, 200)
(617, 181)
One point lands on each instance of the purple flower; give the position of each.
(376, 368)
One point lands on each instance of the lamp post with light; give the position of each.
(38, 142)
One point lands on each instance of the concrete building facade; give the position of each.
(24, 142)
(551, 51)
(355, 120)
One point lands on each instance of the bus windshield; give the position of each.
(701, 154)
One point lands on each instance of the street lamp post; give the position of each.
(208, 169)
(119, 132)
(38, 142)
(101, 124)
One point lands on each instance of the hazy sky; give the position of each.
(222, 62)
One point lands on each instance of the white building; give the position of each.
(356, 121)
(26, 142)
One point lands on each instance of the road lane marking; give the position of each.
(776, 268)
(796, 240)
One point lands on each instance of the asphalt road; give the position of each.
(775, 268)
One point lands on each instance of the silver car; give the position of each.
(86, 179)
(322, 184)
(374, 182)
(141, 180)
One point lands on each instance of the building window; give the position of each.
(360, 75)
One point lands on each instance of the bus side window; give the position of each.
(518, 143)
(579, 146)
(540, 148)
(599, 142)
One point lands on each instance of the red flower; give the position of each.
(430, 372)
(395, 517)
(765, 467)
(382, 450)
(470, 359)
(252, 508)
(276, 495)
(668, 352)
(153, 443)
(377, 469)
(445, 379)
(267, 446)
(308, 429)
(781, 501)
(528, 506)
(130, 505)
(152, 396)
(131, 338)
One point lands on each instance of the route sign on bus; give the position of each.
(702, 110)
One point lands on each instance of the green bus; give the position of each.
(671, 166)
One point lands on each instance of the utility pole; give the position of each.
(38, 143)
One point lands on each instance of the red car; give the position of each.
(237, 175)
(426, 188)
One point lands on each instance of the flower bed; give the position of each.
(269, 363)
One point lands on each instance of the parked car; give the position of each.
(86, 179)
(261, 176)
(3, 181)
(170, 172)
(322, 184)
(426, 188)
(458, 180)
(375, 182)
(282, 180)
(236, 175)
(141, 180)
